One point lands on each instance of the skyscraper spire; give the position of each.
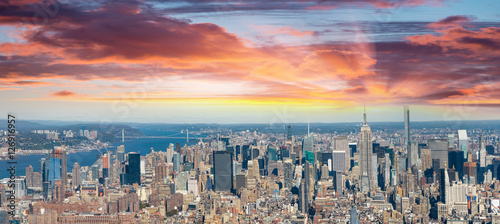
(364, 114)
(308, 126)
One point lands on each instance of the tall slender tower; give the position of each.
(366, 154)
(482, 152)
(64, 166)
(407, 126)
(76, 175)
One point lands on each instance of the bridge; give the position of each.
(173, 136)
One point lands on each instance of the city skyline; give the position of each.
(133, 61)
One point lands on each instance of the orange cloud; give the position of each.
(64, 93)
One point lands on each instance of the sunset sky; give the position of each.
(256, 61)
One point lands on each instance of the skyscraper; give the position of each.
(407, 126)
(288, 174)
(456, 161)
(55, 167)
(303, 199)
(338, 160)
(29, 176)
(76, 175)
(223, 170)
(44, 168)
(338, 182)
(134, 168)
(176, 161)
(64, 167)
(58, 192)
(120, 153)
(412, 153)
(444, 187)
(105, 165)
(341, 143)
(366, 158)
(307, 144)
(463, 142)
(482, 152)
(439, 150)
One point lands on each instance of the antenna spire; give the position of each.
(307, 126)
(364, 114)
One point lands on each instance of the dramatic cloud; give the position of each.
(455, 39)
(140, 44)
(452, 21)
(64, 93)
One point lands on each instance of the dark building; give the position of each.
(338, 183)
(303, 199)
(496, 169)
(237, 150)
(456, 161)
(439, 150)
(284, 153)
(123, 179)
(44, 169)
(245, 154)
(353, 149)
(134, 168)
(223, 170)
(289, 133)
(490, 149)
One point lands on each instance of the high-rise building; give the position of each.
(120, 153)
(463, 142)
(470, 170)
(20, 187)
(44, 168)
(482, 152)
(46, 189)
(307, 144)
(338, 182)
(241, 181)
(456, 161)
(341, 143)
(439, 150)
(161, 171)
(58, 192)
(181, 180)
(105, 166)
(76, 175)
(289, 133)
(223, 170)
(288, 174)
(338, 160)
(444, 188)
(29, 176)
(64, 167)
(54, 169)
(407, 127)
(37, 179)
(134, 168)
(412, 153)
(303, 197)
(451, 140)
(176, 161)
(366, 157)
